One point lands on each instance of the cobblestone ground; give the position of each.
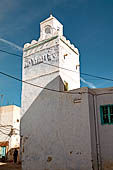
(9, 166)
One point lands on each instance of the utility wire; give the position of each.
(11, 53)
(10, 76)
(3, 132)
(5, 125)
(69, 92)
(86, 74)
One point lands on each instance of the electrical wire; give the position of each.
(10, 76)
(4, 132)
(69, 92)
(5, 125)
(86, 74)
(10, 53)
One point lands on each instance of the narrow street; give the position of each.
(9, 166)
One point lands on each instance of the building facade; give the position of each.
(44, 60)
(9, 130)
(69, 131)
(63, 126)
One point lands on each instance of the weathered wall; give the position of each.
(104, 97)
(15, 139)
(56, 132)
(10, 127)
(6, 118)
(93, 130)
(39, 74)
(69, 59)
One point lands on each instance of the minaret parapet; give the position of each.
(27, 45)
(33, 42)
(67, 42)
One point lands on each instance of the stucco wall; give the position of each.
(69, 59)
(51, 54)
(105, 97)
(56, 132)
(6, 118)
(93, 131)
(10, 128)
(40, 74)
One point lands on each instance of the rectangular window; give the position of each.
(106, 113)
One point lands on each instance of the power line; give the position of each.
(4, 132)
(11, 53)
(86, 74)
(68, 92)
(10, 76)
(5, 125)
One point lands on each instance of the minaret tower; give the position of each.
(47, 63)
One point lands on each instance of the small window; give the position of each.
(48, 30)
(106, 113)
(65, 86)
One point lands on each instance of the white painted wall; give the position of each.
(105, 97)
(15, 138)
(56, 28)
(6, 118)
(37, 56)
(43, 112)
(9, 116)
(69, 59)
(56, 132)
(101, 135)
(40, 74)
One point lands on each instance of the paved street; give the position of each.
(9, 166)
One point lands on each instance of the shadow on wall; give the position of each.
(38, 120)
(50, 138)
(56, 84)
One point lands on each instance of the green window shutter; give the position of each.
(106, 114)
(101, 115)
(109, 114)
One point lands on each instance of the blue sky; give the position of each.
(88, 24)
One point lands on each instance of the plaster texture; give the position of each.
(61, 131)
(105, 97)
(42, 60)
(10, 126)
(56, 132)
(101, 134)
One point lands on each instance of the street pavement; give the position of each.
(9, 166)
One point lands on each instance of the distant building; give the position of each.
(63, 126)
(9, 130)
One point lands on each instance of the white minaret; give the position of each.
(47, 63)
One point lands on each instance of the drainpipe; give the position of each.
(97, 136)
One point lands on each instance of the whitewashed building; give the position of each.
(44, 60)
(63, 126)
(9, 130)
